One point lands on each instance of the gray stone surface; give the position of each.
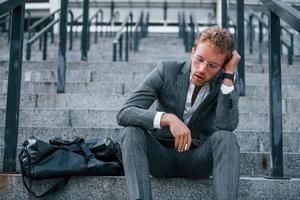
(113, 188)
(107, 118)
(250, 141)
(115, 101)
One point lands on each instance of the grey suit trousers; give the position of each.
(142, 155)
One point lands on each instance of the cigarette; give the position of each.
(185, 147)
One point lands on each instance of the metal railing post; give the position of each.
(71, 30)
(28, 51)
(96, 29)
(115, 51)
(126, 43)
(61, 72)
(165, 10)
(241, 45)
(101, 24)
(28, 19)
(13, 89)
(224, 14)
(41, 39)
(52, 31)
(85, 26)
(290, 56)
(260, 41)
(275, 96)
(251, 32)
(136, 41)
(121, 47)
(131, 30)
(45, 46)
(112, 9)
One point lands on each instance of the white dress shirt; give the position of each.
(189, 110)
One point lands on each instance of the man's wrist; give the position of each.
(167, 119)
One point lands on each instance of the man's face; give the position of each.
(206, 63)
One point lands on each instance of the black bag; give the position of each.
(60, 158)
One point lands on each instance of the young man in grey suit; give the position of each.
(190, 133)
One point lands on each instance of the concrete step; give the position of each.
(107, 118)
(113, 187)
(247, 104)
(104, 87)
(74, 75)
(249, 140)
(252, 164)
(48, 69)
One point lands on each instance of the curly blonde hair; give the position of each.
(220, 38)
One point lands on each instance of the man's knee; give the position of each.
(227, 137)
(132, 136)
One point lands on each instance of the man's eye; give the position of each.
(213, 66)
(200, 59)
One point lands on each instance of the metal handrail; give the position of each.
(277, 10)
(28, 12)
(193, 30)
(43, 32)
(6, 18)
(42, 22)
(138, 31)
(95, 16)
(76, 23)
(291, 45)
(112, 23)
(262, 24)
(71, 29)
(17, 8)
(119, 38)
(147, 24)
(151, 4)
(8, 5)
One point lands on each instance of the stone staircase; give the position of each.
(96, 89)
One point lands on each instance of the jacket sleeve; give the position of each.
(227, 113)
(136, 111)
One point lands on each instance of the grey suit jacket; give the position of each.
(168, 84)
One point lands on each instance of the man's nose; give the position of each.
(202, 67)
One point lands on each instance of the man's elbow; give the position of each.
(120, 118)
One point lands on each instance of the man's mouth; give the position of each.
(199, 77)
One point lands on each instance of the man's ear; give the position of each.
(193, 50)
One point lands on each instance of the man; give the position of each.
(190, 133)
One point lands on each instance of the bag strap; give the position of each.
(58, 186)
(87, 152)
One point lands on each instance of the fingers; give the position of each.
(184, 141)
(189, 143)
(176, 142)
(181, 143)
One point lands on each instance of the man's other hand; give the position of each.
(230, 66)
(179, 130)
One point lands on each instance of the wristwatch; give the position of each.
(228, 75)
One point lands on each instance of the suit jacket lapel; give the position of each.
(182, 85)
(215, 85)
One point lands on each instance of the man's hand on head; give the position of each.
(230, 66)
(179, 130)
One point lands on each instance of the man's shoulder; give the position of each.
(171, 66)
